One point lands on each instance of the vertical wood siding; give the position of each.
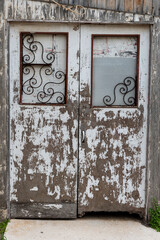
(156, 7)
(128, 5)
(120, 5)
(147, 6)
(111, 4)
(137, 6)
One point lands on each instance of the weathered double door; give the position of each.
(78, 119)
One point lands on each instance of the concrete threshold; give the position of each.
(87, 228)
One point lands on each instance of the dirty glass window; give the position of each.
(43, 68)
(114, 70)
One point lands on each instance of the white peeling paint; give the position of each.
(34, 189)
(51, 206)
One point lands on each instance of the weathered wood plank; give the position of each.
(156, 7)
(63, 1)
(29, 10)
(111, 4)
(38, 210)
(60, 14)
(93, 3)
(9, 9)
(101, 4)
(36, 9)
(19, 10)
(45, 10)
(84, 3)
(138, 6)
(73, 2)
(128, 5)
(147, 6)
(120, 5)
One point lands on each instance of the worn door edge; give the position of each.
(79, 130)
(146, 218)
(9, 132)
(7, 60)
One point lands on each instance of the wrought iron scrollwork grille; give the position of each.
(128, 86)
(115, 70)
(43, 82)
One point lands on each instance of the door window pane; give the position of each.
(114, 70)
(43, 68)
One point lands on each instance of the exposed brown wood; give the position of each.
(38, 210)
(111, 4)
(138, 6)
(147, 6)
(128, 5)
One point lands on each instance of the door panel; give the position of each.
(45, 127)
(44, 137)
(112, 155)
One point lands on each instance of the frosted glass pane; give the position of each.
(114, 71)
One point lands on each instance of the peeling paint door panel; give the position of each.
(113, 132)
(108, 115)
(44, 128)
